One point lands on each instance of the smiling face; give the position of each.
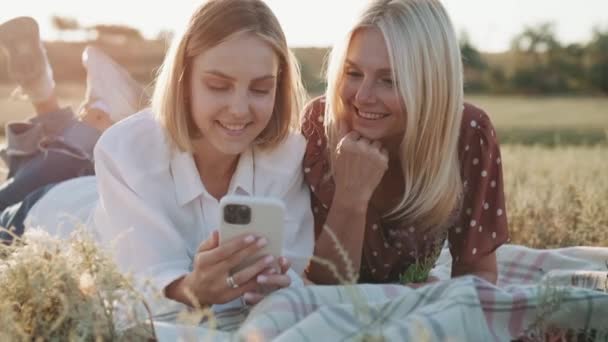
(367, 89)
(232, 93)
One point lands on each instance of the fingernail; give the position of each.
(272, 271)
(269, 259)
(249, 239)
(262, 279)
(262, 242)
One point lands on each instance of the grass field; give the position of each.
(557, 197)
(548, 121)
(545, 112)
(557, 190)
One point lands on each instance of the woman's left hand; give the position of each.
(270, 281)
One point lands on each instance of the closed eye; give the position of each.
(354, 74)
(217, 88)
(261, 91)
(388, 82)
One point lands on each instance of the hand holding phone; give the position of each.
(208, 284)
(243, 259)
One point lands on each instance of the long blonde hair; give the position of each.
(426, 64)
(211, 24)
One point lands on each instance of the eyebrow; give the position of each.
(381, 71)
(222, 75)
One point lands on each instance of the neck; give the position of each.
(214, 167)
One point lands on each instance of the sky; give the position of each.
(490, 24)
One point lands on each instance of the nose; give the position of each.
(239, 104)
(366, 94)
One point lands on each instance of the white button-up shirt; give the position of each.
(155, 211)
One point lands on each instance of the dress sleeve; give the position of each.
(316, 164)
(482, 224)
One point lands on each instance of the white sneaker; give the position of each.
(110, 88)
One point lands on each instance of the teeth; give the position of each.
(233, 127)
(370, 116)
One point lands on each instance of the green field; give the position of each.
(541, 120)
(549, 121)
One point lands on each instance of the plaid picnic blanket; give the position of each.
(539, 293)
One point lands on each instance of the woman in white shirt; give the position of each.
(221, 122)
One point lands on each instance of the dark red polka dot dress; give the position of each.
(479, 224)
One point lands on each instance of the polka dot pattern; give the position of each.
(482, 168)
(388, 249)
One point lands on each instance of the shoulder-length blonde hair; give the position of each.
(426, 64)
(211, 24)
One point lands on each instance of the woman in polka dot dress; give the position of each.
(396, 161)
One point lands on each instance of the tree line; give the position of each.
(536, 63)
(539, 63)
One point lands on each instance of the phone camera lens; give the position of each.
(237, 214)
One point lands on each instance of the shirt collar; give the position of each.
(187, 181)
(242, 180)
(188, 184)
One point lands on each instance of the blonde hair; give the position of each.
(426, 64)
(212, 23)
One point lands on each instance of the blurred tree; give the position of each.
(473, 64)
(543, 65)
(116, 33)
(536, 40)
(63, 24)
(496, 79)
(470, 55)
(568, 62)
(597, 52)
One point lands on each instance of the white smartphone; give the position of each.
(260, 216)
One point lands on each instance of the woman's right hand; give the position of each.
(208, 281)
(358, 169)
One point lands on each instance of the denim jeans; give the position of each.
(40, 152)
(13, 217)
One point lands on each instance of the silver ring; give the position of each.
(231, 283)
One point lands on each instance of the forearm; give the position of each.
(490, 276)
(484, 267)
(347, 224)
